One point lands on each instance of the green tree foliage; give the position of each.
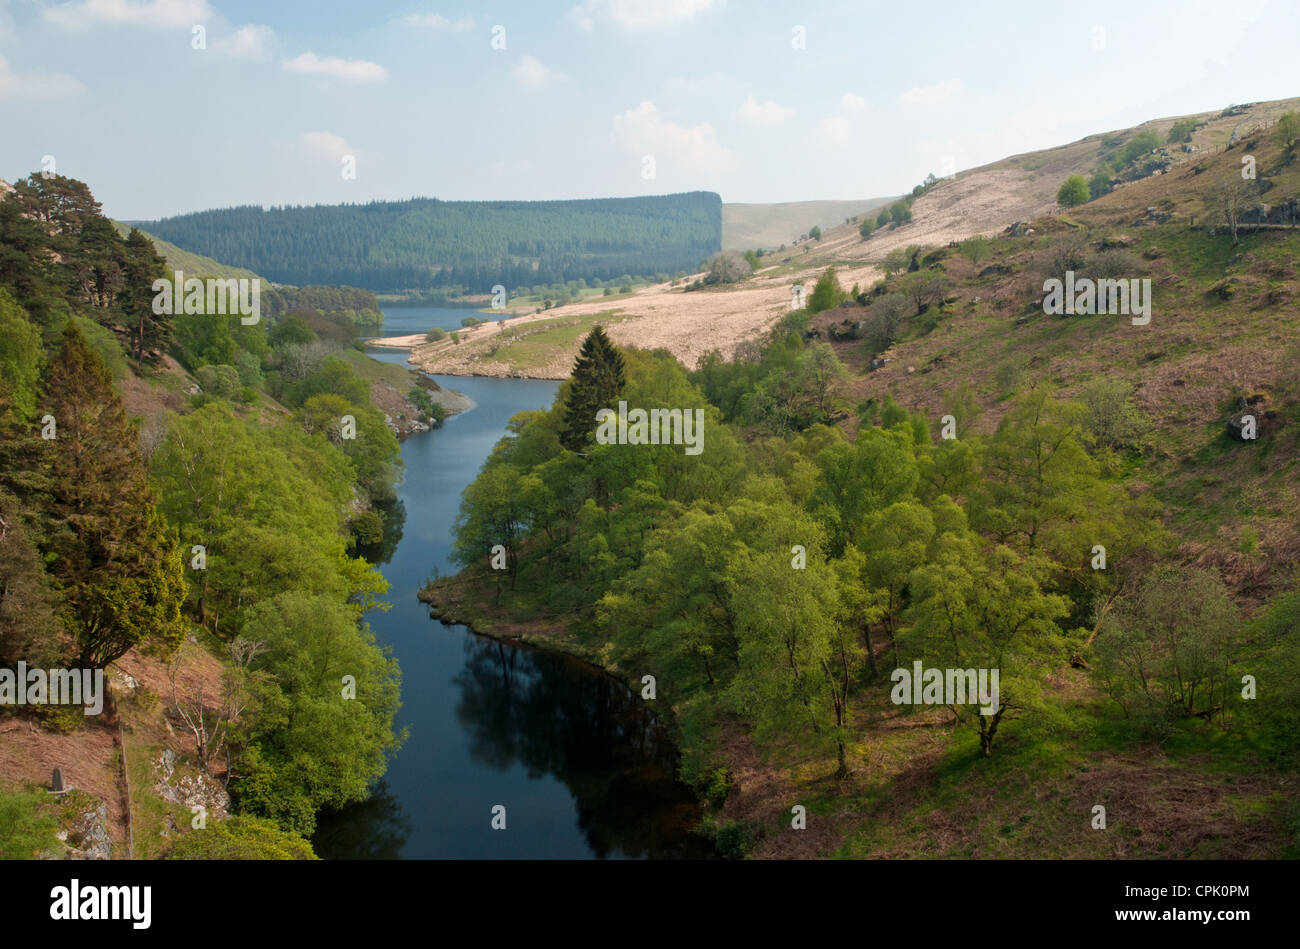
(220, 382)
(150, 333)
(1073, 192)
(313, 746)
(815, 232)
(867, 228)
(21, 356)
(1181, 131)
(120, 571)
(427, 244)
(30, 627)
(827, 292)
(267, 504)
(595, 384)
(1166, 651)
(1287, 131)
(241, 837)
(900, 213)
(769, 580)
(976, 249)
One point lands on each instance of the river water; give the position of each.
(575, 758)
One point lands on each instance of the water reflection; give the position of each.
(551, 714)
(375, 829)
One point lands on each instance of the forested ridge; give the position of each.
(204, 494)
(424, 243)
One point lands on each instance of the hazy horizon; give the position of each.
(761, 106)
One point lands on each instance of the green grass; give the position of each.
(544, 338)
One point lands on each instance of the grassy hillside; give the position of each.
(750, 226)
(969, 338)
(1224, 328)
(193, 265)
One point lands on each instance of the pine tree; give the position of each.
(596, 383)
(151, 333)
(121, 572)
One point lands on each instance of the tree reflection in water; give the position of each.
(553, 714)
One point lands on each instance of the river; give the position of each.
(575, 758)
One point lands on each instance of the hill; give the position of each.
(425, 243)
(967, 408)
(194, 265)
(750, 226)
(984, 200)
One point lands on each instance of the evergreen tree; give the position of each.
(596, 383)
(150, 332)
(121, 572)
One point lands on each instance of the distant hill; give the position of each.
(425, 243)
(193, 265)
(746, 226)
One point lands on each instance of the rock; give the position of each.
(198, 789)
(995, 270)
(876, 364)
(87, 837)
(1018, 229)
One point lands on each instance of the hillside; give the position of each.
(983, 200)
(746, 226)
(1067, 435)
(193, 265)
(425, 243)
(202, 387)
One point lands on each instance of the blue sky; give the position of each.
(721, 95)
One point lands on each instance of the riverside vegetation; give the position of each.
(770, 584)
(224, 526)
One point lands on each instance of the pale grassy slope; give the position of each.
(751, 226)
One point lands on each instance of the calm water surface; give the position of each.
(574, 756)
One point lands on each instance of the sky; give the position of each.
(169, 106)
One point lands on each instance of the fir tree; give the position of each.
(121, 572)
(596, 383)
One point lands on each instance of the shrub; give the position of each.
(1073, 192)
(735, 839)
(435, 335)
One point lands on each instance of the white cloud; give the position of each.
(38, 85)
(763, 113)
(247, 42)
(640, 14)
(835, 130)
(349, 70)
(81, 14)
(933, 94)
(436, 21)
(852, 103)
(326, 145)
(644, 131)
(530, 72)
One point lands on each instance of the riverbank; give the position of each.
(745, 800)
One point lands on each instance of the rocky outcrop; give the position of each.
(86, 837)
(190, 790)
